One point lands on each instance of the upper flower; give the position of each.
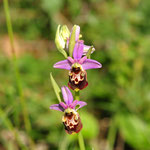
(71, 118)
(77, 62)
(77, 66)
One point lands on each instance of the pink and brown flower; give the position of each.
(77, 67)
(71, 118)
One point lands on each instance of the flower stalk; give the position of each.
(81, 141)
(77, 95)
(80, 137)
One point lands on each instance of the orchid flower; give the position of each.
(71, 118)
(63, 36)
(77, 67)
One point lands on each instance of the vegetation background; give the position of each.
(117, 116)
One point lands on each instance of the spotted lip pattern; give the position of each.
(77, 78)
(72, 122)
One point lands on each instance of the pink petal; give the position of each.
(71, 60)
(78, 50)
(91, 64)
(56, 107)
(63, 105)
(64, 64)
(77, 33)
(73, 105)
(81, 61)
(67, 43)
(67, 95)
(80, 103)
(76, 36)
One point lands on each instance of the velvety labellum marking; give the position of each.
(72, 121)
(77, 77)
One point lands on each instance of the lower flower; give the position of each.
(71, 118)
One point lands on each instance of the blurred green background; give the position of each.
(117, 116)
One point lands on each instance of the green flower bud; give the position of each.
(61, 38)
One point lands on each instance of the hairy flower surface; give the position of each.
(71, 118)
(77, 67)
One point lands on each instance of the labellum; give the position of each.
(71, 121)
(77, 77)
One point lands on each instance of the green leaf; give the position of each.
(56, 87)
(72, 41)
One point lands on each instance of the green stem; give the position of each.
(14, 61)
(80, 137)
(9, 26)
(77, 95)
(81, 141)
